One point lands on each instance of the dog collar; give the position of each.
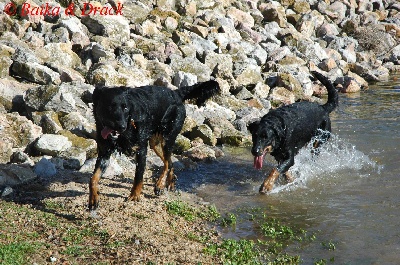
(133, 124)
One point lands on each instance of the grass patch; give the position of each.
(270, 248)
(17, 252)
(232, 251)
(190, 213)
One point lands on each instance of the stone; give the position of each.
(11, 94)
(351, 86)
(45, 168)
(17, 131)
(200, 153)
(274, 11)
(115, 27)
(104, 74)
(182, 79)
(6, 150)
(205, 133)
(281, 95)
(78, 124)
(12, 175)
(192, 66)
(48, 121)
(182, 144)
(51, 144)
(240, 16)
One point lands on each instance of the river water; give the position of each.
(349, 195)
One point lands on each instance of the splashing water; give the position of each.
(334, 157)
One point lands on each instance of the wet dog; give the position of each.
(282, 132)
(128, 119)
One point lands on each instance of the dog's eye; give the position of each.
(124, 107)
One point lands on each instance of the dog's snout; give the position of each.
(256, 151)
(120, 127)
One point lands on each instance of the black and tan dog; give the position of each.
(285, 130)
(128, 119)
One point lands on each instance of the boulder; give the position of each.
(115, 26)
(201, 153)
(45, 168)
(12, 175)
(16, 132)
(51, 144)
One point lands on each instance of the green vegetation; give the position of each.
(17, 252)
(235, 251)
(230, 220)
(27, 232)
(33, 232)
(183, 209)
(270, 249)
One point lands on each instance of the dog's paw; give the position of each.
(133, 197)
(93, 202)
(171, 183)
(158, 191)
(265, 189)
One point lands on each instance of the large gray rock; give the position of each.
(45, 168)
(112, 26)
(192, 66)
(35, 72)
(77, 31)
(11, 175)
(16, 132)
(65, 98)
(51, 144)
(62, 54)
(11, 94)
(105, 74)
(28, 66)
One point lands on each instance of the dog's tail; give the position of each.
(332, 102)
(200, 92)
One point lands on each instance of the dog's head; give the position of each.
(264, 141)
(111, 111)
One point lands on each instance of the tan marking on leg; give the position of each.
(289, 177)
(268, 183)
(136, 191)
(160, 184)
(94, 189)
(316, 144)
(157, 143)
(171, 179)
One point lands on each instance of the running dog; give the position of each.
(128, 119)
(282, 132)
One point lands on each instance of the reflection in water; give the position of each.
(349, 194)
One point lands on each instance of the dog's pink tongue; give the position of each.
(258, 161)
(106, 132)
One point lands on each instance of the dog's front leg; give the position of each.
(101, 165)
(269, 182)
(140, 168)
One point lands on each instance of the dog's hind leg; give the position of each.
(157, 143)
(322, 135)
(171, 124)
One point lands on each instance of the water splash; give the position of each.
(334, 157)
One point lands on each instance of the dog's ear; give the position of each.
(253, 126)
(97, 94)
